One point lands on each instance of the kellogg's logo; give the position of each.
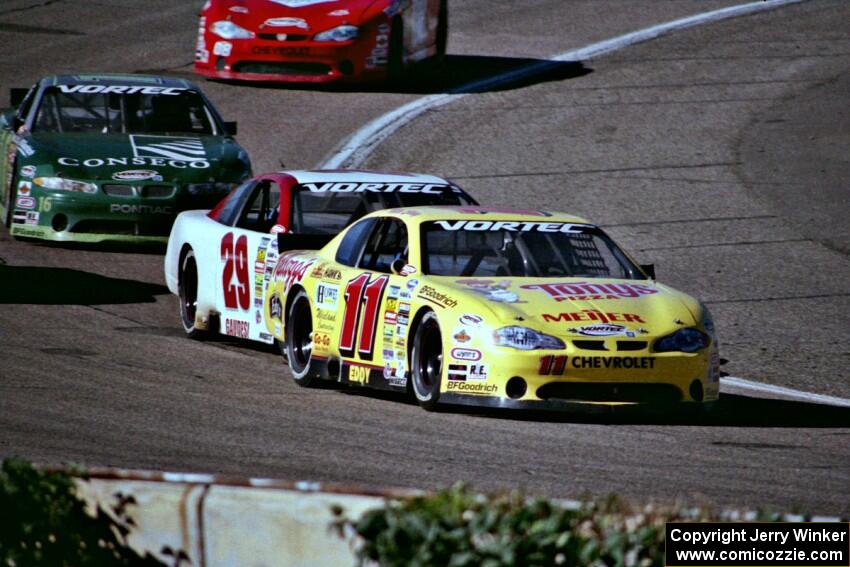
(291, 270)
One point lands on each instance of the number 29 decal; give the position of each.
(235, 258)
(365, 296)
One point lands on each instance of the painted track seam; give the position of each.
(352, 152)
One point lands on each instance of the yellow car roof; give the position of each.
(474, 212)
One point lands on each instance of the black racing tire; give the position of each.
(299, 340)
(11, 191)
(427, 362)
(395, 60)
(187, 287)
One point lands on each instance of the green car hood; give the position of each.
(172, 159)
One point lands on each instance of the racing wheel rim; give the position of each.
(300, 335)
(429, 361)
(189, 292)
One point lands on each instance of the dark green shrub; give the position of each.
(458, 528)
(43, 523)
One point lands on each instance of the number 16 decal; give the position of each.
(354, 300)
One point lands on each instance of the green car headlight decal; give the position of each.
(64, 184)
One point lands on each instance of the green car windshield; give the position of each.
(522, 249)
(134, 113)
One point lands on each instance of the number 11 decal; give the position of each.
(354, 300)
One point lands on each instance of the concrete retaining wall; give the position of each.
(220, 522)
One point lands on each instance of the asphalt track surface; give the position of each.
(719, 152)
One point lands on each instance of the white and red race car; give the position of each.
(219, 262)
(318, 40)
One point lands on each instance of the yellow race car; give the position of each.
(489, 307)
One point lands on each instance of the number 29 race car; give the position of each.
(318, 40)
(112, 157)
(220, 262)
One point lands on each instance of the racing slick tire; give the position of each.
(299, 341)
(188, 293)
(427, 362)
(11, 192)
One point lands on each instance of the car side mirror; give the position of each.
(230, 128)
(649, 270)
(398, 266)
(17, 96)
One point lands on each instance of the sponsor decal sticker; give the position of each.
(428, 293)
(626, 362)
(19, 217)
(496, 291)
(408, 270)
(275, 307)
(128, 209)
(498, 226)
(327, 296)
(238, 329)
(390, 318)
(300, 3)
(467, 388)
(32, 217)
(24, 188)
(600, 330)
(187, 149)
(287, 23)
(222, 48)
(358, 374)
(470, 320)
(466, 354)
(354, 187)
(411, 285)
(25, 202)
(461, 336)
(137, 175)
(594, 315)
(28, 171)
(291, 269)
(119, 89)
(588, 291)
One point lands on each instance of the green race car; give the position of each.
(93, 158)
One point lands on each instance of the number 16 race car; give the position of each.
(112, 157)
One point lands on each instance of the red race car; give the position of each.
(318, 40)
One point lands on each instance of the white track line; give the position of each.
(357, 148)
(785, 393)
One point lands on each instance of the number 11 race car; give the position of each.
(489, 307)
(461, 305)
